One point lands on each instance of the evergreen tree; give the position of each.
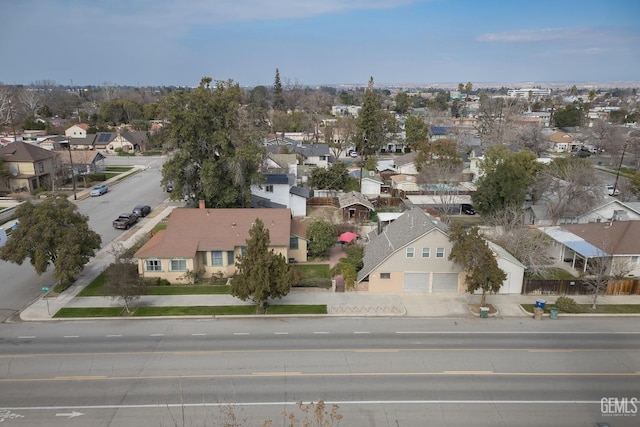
(322, 236)
(472, 253)
(370, 133)
(261, 273)
(278, 97)
(217, 155)
(52, 232)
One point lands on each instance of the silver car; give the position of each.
(99, 190)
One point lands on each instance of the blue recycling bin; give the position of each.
(540, 303)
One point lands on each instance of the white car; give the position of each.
(612, 191)
(99, 190)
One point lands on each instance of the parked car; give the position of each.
(125, 220)
(169, 187)
(142, 210)
(468, 209)
(99, 190)
(582, 154)
(612, 191)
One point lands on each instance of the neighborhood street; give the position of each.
(381, 372)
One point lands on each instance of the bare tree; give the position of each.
(527, 245)
(31, 100)
(568, 186)
(532, 138)
(608, 137)
(442, 168)
(122, 278)
(340, 136)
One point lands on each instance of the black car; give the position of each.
(142, 210)
(468, 209)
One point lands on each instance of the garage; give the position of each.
(416, 282)
(445, 282)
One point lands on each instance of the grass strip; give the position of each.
(586, 308)
(68, 312)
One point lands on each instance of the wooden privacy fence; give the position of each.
(323, 201)
(578, 287)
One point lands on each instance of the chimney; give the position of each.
(201, 204)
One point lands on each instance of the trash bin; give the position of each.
(537, 313)
(484, 312)
(540, 303)
(554, 313)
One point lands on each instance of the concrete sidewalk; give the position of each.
(338, 304)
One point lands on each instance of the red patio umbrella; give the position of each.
(347, 237)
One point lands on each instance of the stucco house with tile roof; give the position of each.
(210, 240)
(562, 142)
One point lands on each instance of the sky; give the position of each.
(315, 42)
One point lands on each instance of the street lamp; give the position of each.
(45, 289)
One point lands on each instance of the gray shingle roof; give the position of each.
(407, 228)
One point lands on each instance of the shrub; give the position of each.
(567, 305)
(314, 282)
(96, 177)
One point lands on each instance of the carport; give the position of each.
(573, 249)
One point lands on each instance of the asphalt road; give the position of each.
(381, 372)
(20, 285)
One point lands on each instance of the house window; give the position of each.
(204, 258)
(40, 167)
(243, 250)
(178, 265)
(410, 252)
(634, 259)
(230, 258)
(269, 188)
(216, 258)
(293, 242)
(439, 252)
(426, 252)
(385, 275)
(152, 265)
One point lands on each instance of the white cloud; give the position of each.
(545, 34)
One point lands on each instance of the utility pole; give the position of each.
(615, 185)
(73, 175)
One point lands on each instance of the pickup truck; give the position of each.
(125, 220)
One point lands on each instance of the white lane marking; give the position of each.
(156, 335)
(361, 332)
(113, 336)
(241, 333)
(198, 335)
(26, 337)
(338, 402)
(516, 333)
(281, 333)
(321, 333)
(72, 336)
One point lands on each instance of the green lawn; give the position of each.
(310, 271)
(586, 308)
(95, 289)
(231, 310)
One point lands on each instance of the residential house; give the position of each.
(405, 183)
(127, 141)
(440, 132)
(562, 142)
(315, 155)
(580, 244)
(88, 143)
(355, 207)
(30, 167)
(370, 184)
(84, 161)
(298, 242)
(211, 240)
(55, 142)
(77, 131)
(102, 140)
(406, 164)
(411, 255)
(513, 268)
(279, 191)
(611, 210)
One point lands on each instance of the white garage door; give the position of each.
(416, 282)
(445, 282)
